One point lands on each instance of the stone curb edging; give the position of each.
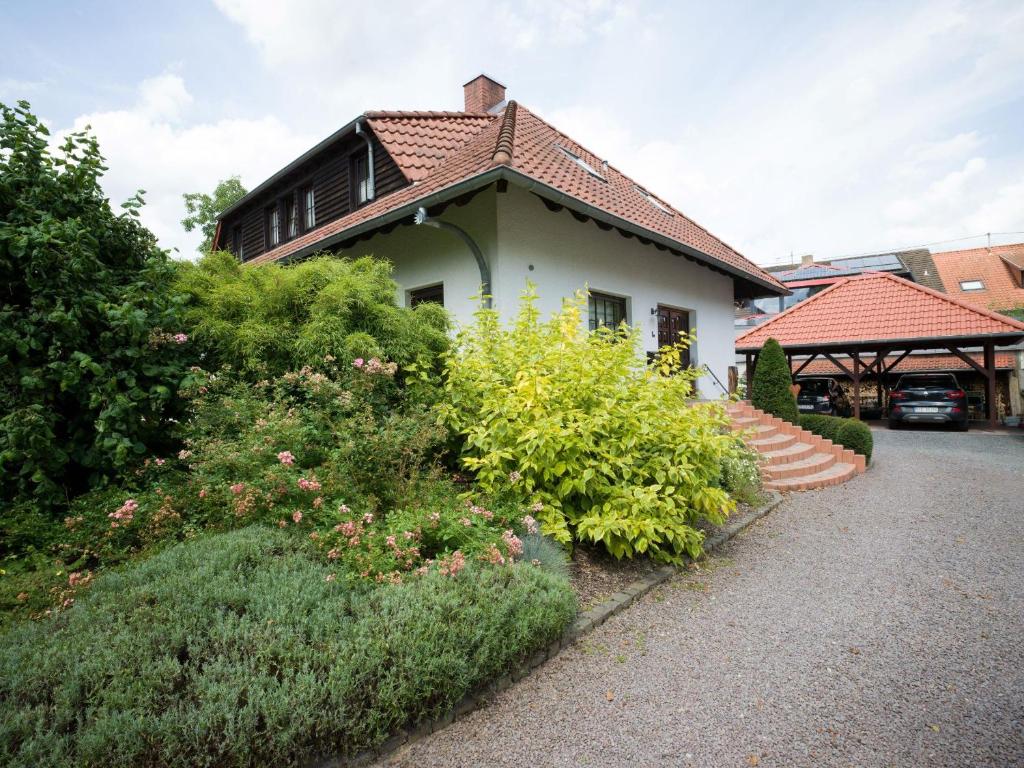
(585, 623)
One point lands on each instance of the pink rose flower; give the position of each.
(286, 458)
(297, 516)
(358, 362)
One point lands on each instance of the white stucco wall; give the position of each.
(423, 256)
(567, 254)
(515, 230)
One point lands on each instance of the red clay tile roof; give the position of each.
(420, 141)
(876, 307)
(992, 267)
(909, 364)
(437, 150)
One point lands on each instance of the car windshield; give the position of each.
(927, 382)
(814, 387)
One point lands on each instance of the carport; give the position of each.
(868, 324)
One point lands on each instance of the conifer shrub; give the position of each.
(772, 380)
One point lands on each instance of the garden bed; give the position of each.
(596, 575)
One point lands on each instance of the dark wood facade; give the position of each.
(329, 174)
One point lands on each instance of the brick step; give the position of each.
(793, 459)
(838, 473)
(771, 442)
(816, 462)
(791, 453)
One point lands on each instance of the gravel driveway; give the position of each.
(878, 623)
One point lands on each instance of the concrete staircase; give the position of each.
(793, 459)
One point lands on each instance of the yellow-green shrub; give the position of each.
(608, 449)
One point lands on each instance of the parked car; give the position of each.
(820, 394)
(933, 398)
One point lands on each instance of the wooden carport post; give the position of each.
(990, 384)
(856, 385)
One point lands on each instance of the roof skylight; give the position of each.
(653, 200)
(581, 163)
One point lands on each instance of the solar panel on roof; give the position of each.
(885, 261)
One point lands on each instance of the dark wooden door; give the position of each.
(670, 323)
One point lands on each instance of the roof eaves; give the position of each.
(545, 190)
(939, 342)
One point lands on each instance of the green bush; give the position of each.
(239, 649)
(822, 425)
(856, 435)
(607, 450)
(267, 320)
(91, 348)
(849, 433)
(772, 380)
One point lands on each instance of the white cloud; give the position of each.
(147, 146)
(840, 146)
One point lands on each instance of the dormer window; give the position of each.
(273, 226)
(582, 163)
(236, 242)
(293, 217)
(972, 285)
(309, 208)
(360, 180)
(653, 200)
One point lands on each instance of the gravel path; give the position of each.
(878, 623)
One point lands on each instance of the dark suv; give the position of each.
(822, 395)
(934, 398)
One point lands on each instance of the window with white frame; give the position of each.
(972, 285)
(309, 208)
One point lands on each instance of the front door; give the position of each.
(672, 322)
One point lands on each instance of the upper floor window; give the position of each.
(360, 180)
(236, 242)
(581, 163)
(293, 217)
(273, 226)
(431, 294)
(308, 208)
(972, 285)
(606, 311)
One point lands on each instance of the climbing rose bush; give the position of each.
(602, 447)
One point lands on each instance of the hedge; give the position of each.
(849, 433)
(236, 649)
(770, 390)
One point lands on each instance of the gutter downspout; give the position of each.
(371, 185)
(485, 271)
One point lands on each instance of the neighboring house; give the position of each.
(811, 277)
(495, 195)
(991, 278)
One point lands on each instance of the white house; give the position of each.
(495, 195)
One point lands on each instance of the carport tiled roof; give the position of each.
(877, 307)
(910, 364)
(439, 150)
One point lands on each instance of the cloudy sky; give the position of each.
(828, 128)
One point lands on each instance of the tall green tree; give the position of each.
(91, 353)
(770, 390)
(203, 209)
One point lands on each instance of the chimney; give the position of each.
(807, 260)
(483, 94)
